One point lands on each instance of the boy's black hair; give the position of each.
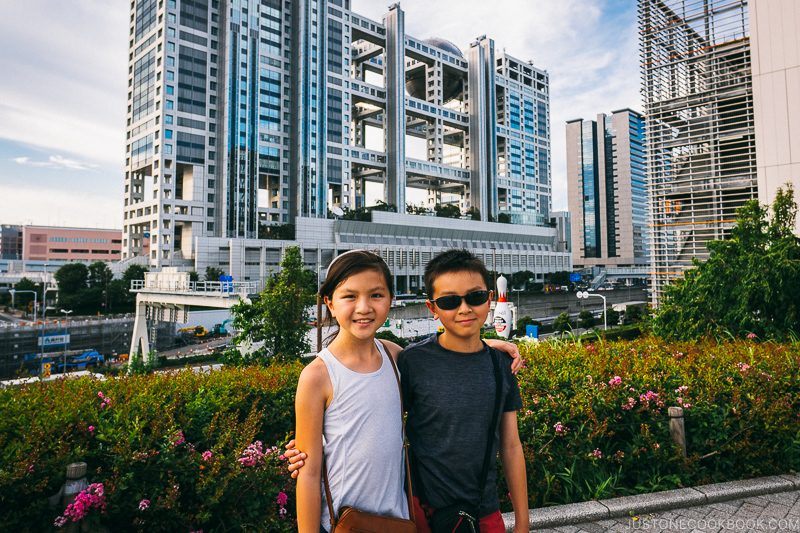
(453, 261)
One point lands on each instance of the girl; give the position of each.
(347, 404)
(349, 397)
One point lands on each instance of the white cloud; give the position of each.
(59, 207)
(55, 161)
(63, 83)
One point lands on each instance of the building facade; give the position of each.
(10, 242)
(249, 113)
(607, 192)
(562, 221)
(698, 95)
(49, 243)
(406, 243)
(774, 25)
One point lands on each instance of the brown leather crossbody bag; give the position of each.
(352, 520)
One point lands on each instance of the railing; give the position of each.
(211, 288)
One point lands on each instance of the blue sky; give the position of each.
(63, 88)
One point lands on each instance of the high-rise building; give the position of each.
(10, 242)
(606, 189)
(698, 96)
(246, 113)
(774, 25)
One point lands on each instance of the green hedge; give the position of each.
(743, 418)
(134, 448)
(586, 433)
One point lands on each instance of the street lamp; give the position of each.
(66, 312)
(13, 293)
(585, 295)
(517, 291)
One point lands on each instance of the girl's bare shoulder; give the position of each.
(314, 375)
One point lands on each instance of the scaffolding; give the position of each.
(698, 96)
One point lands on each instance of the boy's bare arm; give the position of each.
(514, 468)
(510, 349)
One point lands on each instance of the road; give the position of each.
(541, 306)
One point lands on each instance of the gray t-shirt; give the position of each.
(449, 397)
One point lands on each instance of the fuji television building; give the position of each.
(246, 115)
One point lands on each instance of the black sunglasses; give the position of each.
(453, 301)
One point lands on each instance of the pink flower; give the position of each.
(178, 438)
(743, 367)
(144, 505)
(560, 428)
(253, 455)
(92, 497)
(650, 397)
(100, 395)
(685, 405)
(30, 468)
(682, 389)
(751, 335)
(282, 512)
(90, 429)
(207, 455)
(596, 454)
(627, 406)
(616, 381)
(282, 499)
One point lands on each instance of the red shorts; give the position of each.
(491, 523)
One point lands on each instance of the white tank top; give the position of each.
(363, 440)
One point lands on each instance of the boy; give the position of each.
(449, 390)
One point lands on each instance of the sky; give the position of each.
(63, 87)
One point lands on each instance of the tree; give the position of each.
(558, 278)
(24, 300)
(633, 314)
(71, 278)
(194, 276)
(278, 317)
(99, 274)
(213, 273)
(131, 274)
(504, 218)
(612, 316)
(412, 209)
(749, 284)
(276, 231)
(447, 210)
(562, 323)
(586, 319)
(97, 295)
(474, 213)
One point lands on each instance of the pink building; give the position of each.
(48, 243)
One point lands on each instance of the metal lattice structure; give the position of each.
(698, 96)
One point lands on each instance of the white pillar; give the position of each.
(139, 335)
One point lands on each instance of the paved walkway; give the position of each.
(770, 512)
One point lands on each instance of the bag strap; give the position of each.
(487, 458)
(328, 496)
(409, 491)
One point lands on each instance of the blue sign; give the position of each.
(575, 277)
(532, 330)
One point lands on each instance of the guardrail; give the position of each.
(198, 287)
